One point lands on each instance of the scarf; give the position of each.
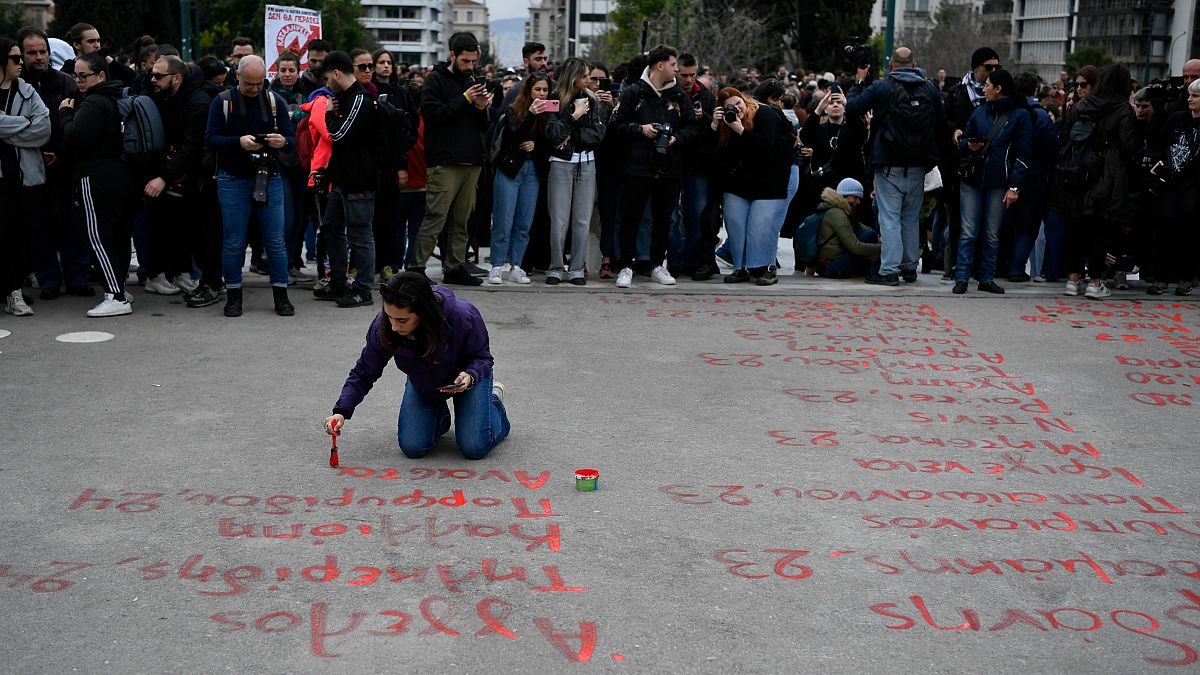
(974, 90)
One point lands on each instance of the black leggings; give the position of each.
(1088, 240)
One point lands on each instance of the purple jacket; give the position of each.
(464, 348)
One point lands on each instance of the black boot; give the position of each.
(283, 307)
(233, 302)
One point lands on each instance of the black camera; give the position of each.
(262, 176)
(730, 112)
(662, 141)
(858, 53)
(1166, 90)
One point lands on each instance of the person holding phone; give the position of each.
(517, 183)
(441, 343)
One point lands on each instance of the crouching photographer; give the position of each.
(251, 134)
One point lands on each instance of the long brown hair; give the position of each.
(525, 98)
(725, 134)
(412, 291)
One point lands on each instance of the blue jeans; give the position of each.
(348, 217)
(59, 253)
(513, 202)
(981, 210)
(899, 194)
(849, 265)
(235, 196)
(294, 218)
(753, 229)
(685, 231)
(480, 421)
(1029, 212)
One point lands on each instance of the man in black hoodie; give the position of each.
(177, 232)
(455, 110)
(352, 174)
(52, 235)
(93, 142)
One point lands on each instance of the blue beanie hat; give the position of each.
(850, 187)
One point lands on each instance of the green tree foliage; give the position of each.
(120, 22)
(763, 33)
(12, 19)
(1087, 55)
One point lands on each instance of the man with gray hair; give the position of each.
(903, 147)
(250, 130)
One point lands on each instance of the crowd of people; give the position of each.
(357, 167)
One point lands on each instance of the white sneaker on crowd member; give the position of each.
(498, 390)
(15, 304)
(496, 276)
(298, 275)
(662, 276)
(186, 283)
(113, 307)
(625, 278)
(518, 275)
(1097, 291)
(160, 286)
(1072, 288)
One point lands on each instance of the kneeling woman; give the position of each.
(441, 343)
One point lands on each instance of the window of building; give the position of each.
(410, 35)
(388, 35)
(410, 12)
(391, 12)
(470, 16)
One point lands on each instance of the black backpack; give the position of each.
(910, 123)
(1081, 157)
(395, 130)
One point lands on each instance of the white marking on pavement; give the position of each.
(85, 337)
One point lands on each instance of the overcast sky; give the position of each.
(507, 9)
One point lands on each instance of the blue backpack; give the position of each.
(804, 241)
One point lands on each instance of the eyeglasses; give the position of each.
(992, 66)
(363, 66)
(80, 77)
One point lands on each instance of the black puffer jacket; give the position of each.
(641, 103)
(185, 121)
(454, 127)
(1111, 195)
(92, 137)
(566, 135)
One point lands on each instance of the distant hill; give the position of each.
(510, 33)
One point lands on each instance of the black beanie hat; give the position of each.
(983, 54)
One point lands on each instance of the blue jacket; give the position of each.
(875, 98)
(1010, 152)
(464, 348)
(1045, 146)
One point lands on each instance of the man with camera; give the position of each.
(250, 132)
(454, 105)
(352, 174)
(904, 145)
(694, 247)
(656, 120)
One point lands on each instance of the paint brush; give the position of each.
(333, 456)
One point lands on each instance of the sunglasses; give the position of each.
(158, 76)
(16, 58)
(363, 66)
(992, 66)
(1083, 83)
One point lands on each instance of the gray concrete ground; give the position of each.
(813, 477)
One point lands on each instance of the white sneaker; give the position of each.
(496, 276)
(186, 283)
(113, 307)
(518, 275)
(15, 304)
(160, 286)
(662, 276)
(498, 390)
(625, 278)
(1072, 288)
(1097, 291)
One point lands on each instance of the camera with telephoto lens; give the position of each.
(1166, 90)
(858, 53)
(730, 112)
(262, 176)
(662, 141)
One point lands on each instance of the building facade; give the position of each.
(468, 16)
(35, 12)
(414, 30)
(568, 27)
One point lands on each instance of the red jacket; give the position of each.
(318, 135)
